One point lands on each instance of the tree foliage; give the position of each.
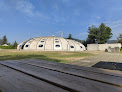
(81, 41)
(70, 36)
(1, 41)
(100, 35)
(15, 44)
(4, 39)
(120, 38)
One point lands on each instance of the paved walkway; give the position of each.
(102, 56)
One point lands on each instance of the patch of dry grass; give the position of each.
(58, 56)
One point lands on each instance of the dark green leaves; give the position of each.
(99, 35)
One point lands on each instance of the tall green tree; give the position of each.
(120, 38)
(1, 41)
(15, 44)
(92, 34)
(4, 39)
(100, 35)
(70, 36)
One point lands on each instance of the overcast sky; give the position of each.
(24, 19)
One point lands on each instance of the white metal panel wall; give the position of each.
(77, 46)
(55, 39)
(28, 43)
(49, 44)
(71, 44)
(65, 45)
(41, 43)
(34, 44)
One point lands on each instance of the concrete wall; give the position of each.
(94, 47)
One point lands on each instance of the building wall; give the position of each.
(94, 47)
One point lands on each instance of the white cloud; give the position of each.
(22, 6)
(81, 34)
(25, 7)
(116, 27)
(98, 17)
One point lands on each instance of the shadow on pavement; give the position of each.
(108, 65)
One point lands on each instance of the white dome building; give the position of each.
(51, 44)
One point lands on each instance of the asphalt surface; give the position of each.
(100, 57)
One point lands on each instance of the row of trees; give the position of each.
(4, 40)
(98, 35)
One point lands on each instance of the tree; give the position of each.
(92, 34)
(84, 42)
(4, 40)
(120, 38)
(9, 43)
(1, 41)
(100, 35)
(15, 44)
(70, 36)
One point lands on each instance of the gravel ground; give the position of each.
(101, 56)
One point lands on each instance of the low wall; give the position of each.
(94, 47)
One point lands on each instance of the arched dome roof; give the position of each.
(51, 44)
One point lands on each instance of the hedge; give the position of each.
(7, 47)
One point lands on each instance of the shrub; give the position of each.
(116, 47)
(7, 47)
(121, 49)
(109, 47)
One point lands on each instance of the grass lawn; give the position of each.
(57, 56)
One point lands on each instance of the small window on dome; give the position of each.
(72, 46)
(81, 47)
(57, 41)
(42, 41)
(27, 46)
(40, 45)
(57, 45)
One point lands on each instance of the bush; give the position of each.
(7, 47)
(116, 47)
(121, 49)
(109, 47)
